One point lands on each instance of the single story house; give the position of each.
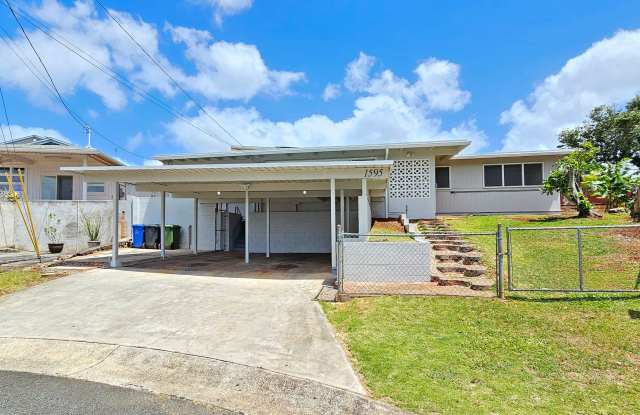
(285, 200)
(40, 158)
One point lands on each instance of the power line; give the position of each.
(175, 82)
(118, 77)
(57, 93)
(6, 117)
(78, 120)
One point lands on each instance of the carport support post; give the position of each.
(268, 241)
(194, 234)
(246, 223)
(347, 227)
(333, 222)
(342, 208)
(115, 262)
(163, 208)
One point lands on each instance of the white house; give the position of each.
(40, 158)
(292, 199)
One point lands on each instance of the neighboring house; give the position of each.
(40, 159)
(291, 199)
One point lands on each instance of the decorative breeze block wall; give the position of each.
(410, 179)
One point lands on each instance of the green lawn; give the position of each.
(524, 355)
(532, 353)
(549, 259)
(11, 281)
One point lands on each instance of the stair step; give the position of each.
(474, 283)
(467, 258)
(466, 270)
(452, 247)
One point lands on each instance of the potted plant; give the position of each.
(92, 228)
(52, 230)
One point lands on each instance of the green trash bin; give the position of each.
(172, 236)
(168, 236)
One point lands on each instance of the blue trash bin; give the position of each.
(138, 236)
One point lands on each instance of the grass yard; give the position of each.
(467, 355)
(11, 281)
(533, 353)
(549, 259)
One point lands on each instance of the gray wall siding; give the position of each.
(468, 194)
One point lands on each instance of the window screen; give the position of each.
(443, 180)
(513, 174)
(533, 174)
(493, 175)
(95, 187)
(15, 178)
(49, 189)
(65, 187)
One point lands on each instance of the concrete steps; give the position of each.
(457, 263)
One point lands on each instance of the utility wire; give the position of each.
(57, 93)
(116, 76)
(173, 80)
(6, 117)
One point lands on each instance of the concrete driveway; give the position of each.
(250, 317)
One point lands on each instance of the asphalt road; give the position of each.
(27, 393)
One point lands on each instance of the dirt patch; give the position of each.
(387, 226)
(284, 267)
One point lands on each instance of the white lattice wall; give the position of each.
(410, 179)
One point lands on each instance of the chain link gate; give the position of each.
(429, 263)
(580, 259)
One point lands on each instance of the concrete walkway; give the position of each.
(231, 342)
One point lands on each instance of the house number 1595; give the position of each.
(373, 173)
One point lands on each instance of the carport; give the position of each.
(347, 183)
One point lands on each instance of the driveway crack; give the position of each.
(98, 363)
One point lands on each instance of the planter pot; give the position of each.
(56, 248)
(94, 244)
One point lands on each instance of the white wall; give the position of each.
(468, 194)
(294, 232)
(146, 211)
(70, 228)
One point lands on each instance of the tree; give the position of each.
(567, 177)
(615, 133)
(613, 182)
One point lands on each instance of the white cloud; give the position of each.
(229, 70)
(389, 109)
(223, 70)
(606, 73)
(331, 91)
(437, 86)
(375, 119)
(134, 142)
(18, 131)
(357, 73)
(224, 8)
(98, 36)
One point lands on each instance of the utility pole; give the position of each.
(87, 131)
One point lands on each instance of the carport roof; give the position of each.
(250, 172)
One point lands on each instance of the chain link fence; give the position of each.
(425, 263)
(574, 259)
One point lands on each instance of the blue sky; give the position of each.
(508, 75)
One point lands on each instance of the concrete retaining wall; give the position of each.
(71, 228)
(398, 262)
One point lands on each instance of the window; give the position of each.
(513, 175)
(533, 174)
(57, 188)
(493, 175)
(443, 178)
(15, 178)
(95, 187)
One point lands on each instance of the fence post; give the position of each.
(339, 258)
(499, 263)
(509, 261)
(580, 270)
